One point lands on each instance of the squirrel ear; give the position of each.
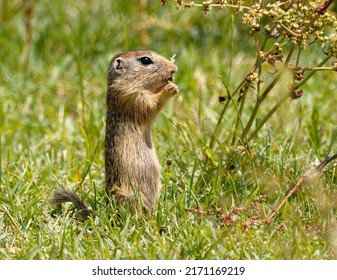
(119, 65)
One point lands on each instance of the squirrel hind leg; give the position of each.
(63, 195)
(131, 201)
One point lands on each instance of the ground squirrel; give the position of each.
(139, 84)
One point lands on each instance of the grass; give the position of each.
(52, 112)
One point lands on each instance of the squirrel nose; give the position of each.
(170, 78)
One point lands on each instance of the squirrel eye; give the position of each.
(145, 60)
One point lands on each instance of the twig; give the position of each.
(305, 180)
(312, 72)
(267, 117)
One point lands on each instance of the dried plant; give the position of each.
(282, 30)
(291, 26)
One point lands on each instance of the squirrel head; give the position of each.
(139, 71)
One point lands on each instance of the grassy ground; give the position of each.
(52, 110)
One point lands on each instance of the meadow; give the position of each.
(53, 63)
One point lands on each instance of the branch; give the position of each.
(305, 180)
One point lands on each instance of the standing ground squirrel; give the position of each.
(139, 85)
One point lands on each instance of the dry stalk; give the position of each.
(305, 180)
(228, 218)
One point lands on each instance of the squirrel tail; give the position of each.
(62, 195)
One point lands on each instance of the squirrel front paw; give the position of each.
(170, 89)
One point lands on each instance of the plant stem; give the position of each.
(305, 179)
(258, 64)
(219, 6)
(217, 126)
(267, 117)
(257, 105)
(281, 101)
(238, 119)
(323, 68)
(298, 57)
(28, 34)
(264, 95)
(290, 55)
(251, 119)
(312, 72)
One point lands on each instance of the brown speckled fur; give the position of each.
(136, 93)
